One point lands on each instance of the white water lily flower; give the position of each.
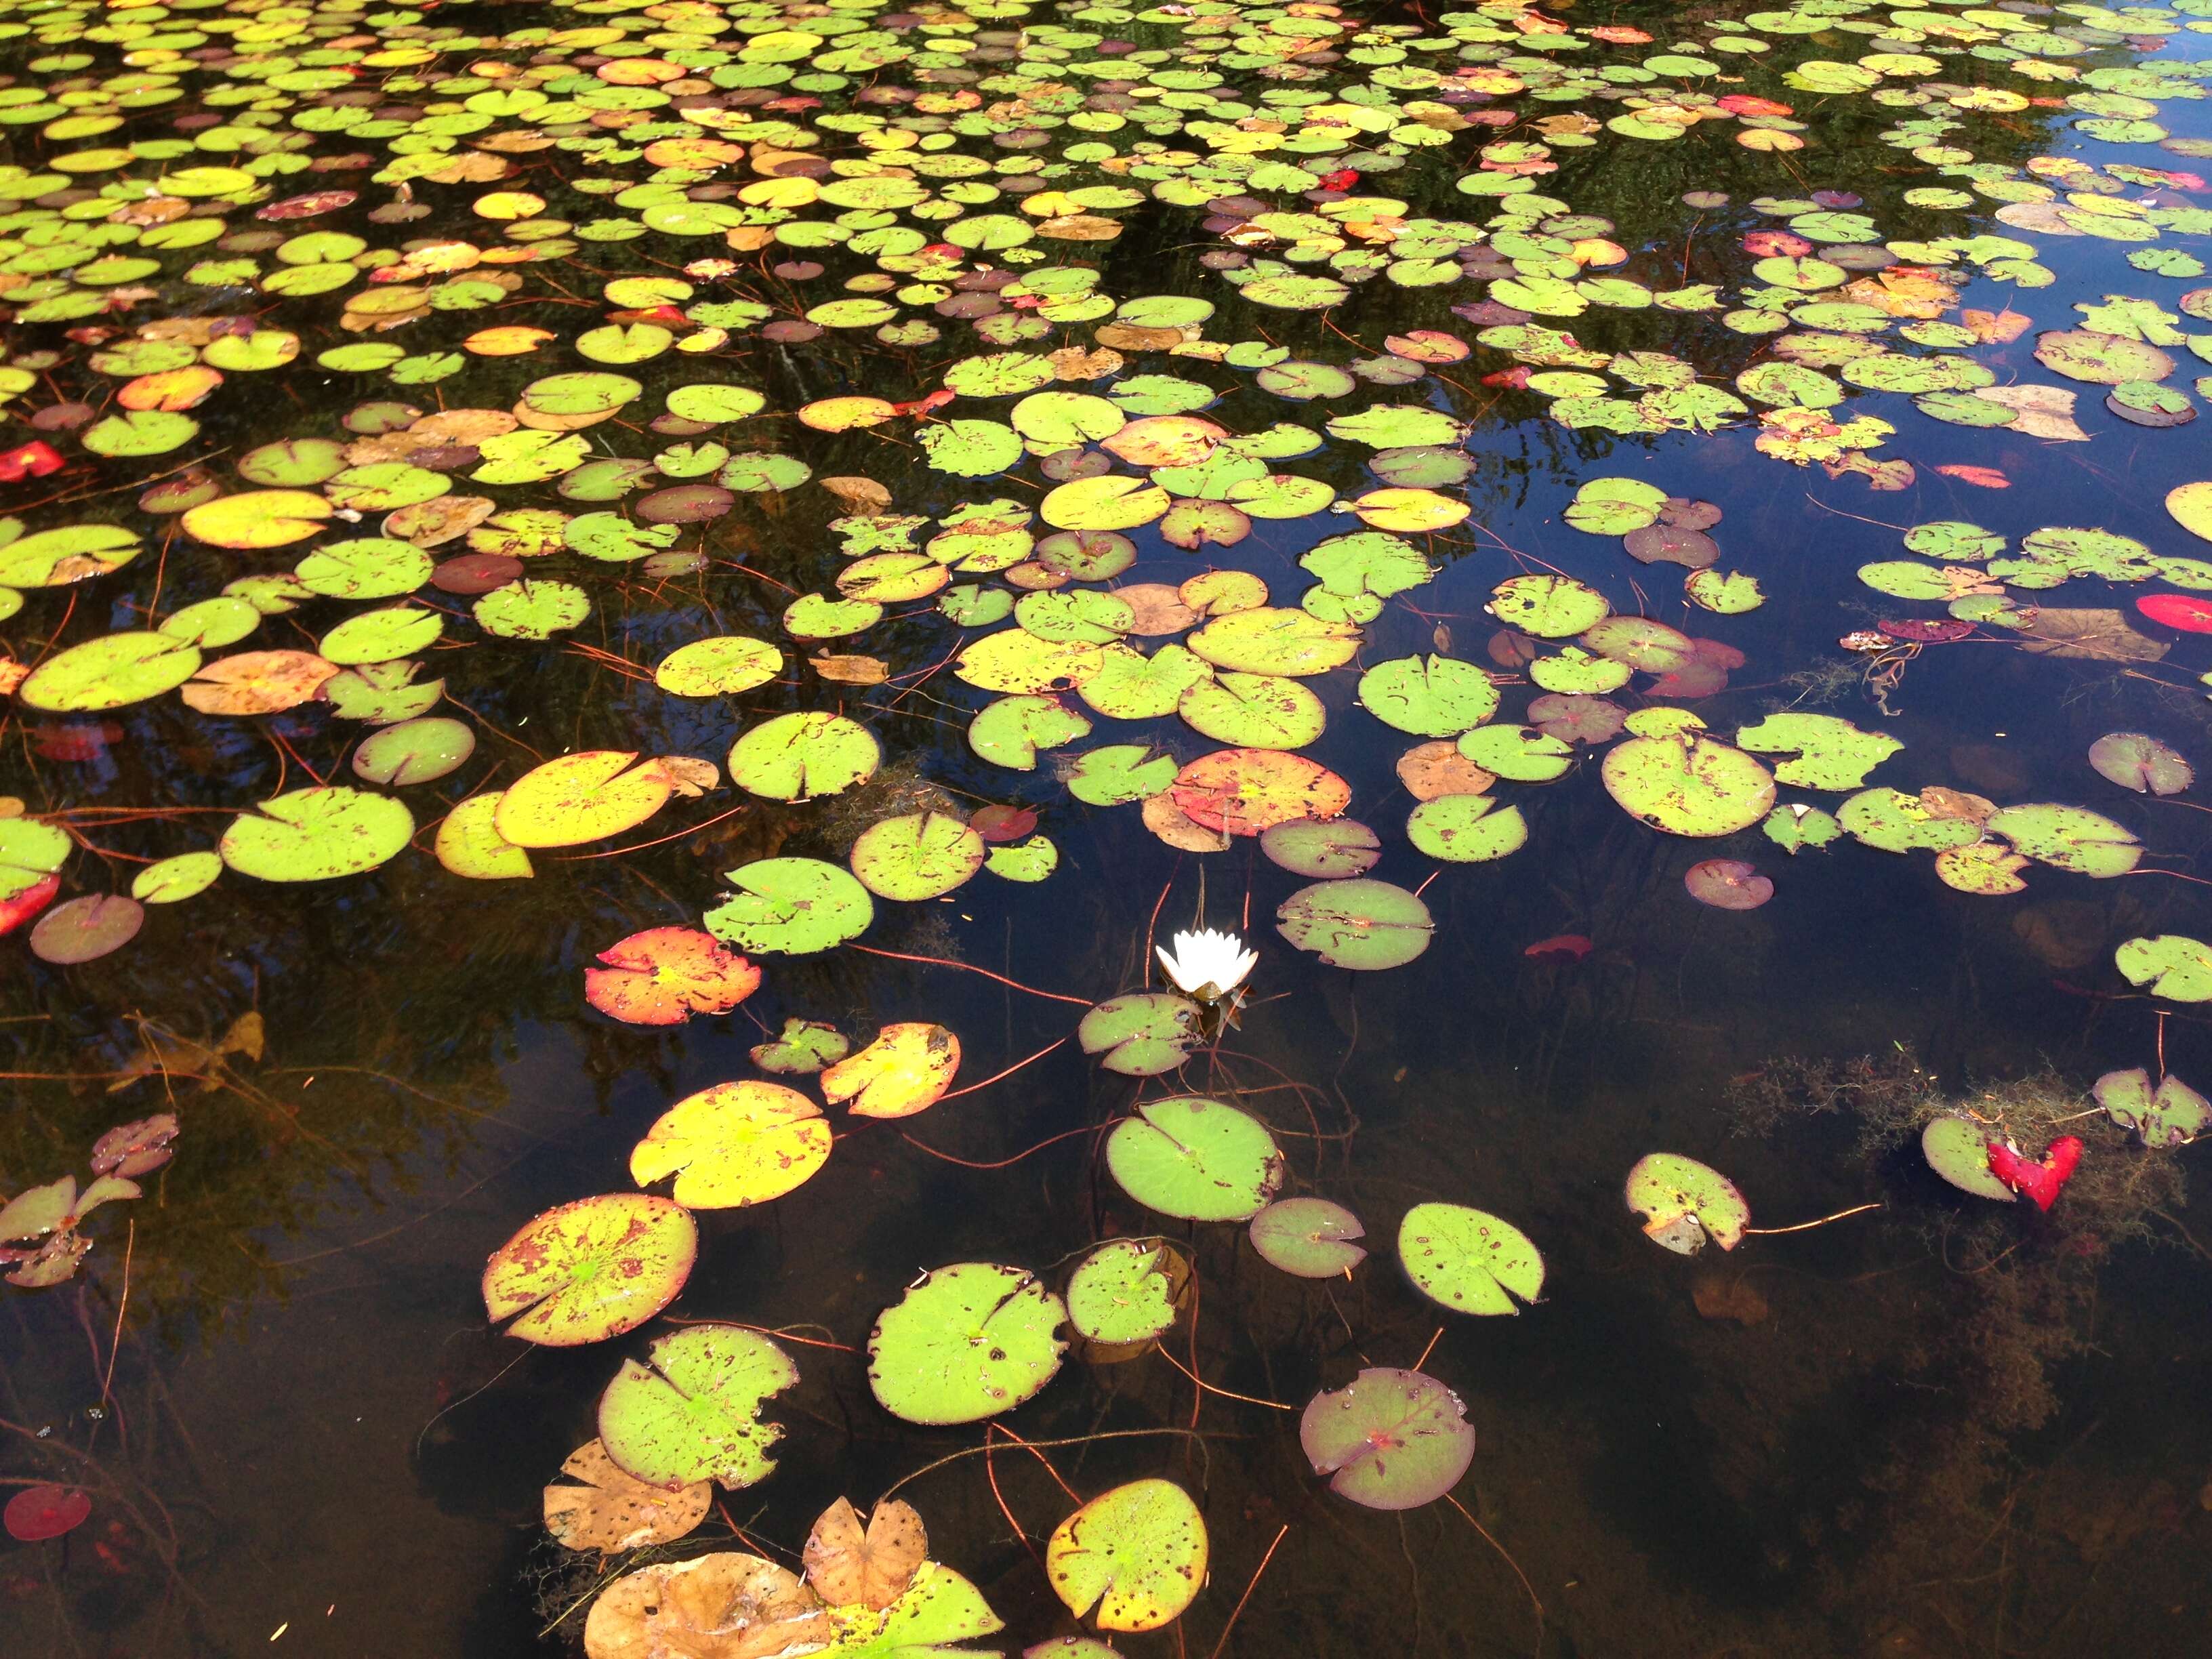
(1208, 964)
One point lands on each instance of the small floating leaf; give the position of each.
(693, 1413)
(591, 1269)
(1137, 1554)
(1684, 1203)
(1388, 1439)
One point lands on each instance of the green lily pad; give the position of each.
(802, 1046)
(1897, 823)
(916, 856)
(167, 881)
(2069, 838)
(108, 672)
(1253, 711)
(1120, 773)
(965, 1343)
(317, 834)
(1829, 753)
(2174, 966)
(1462, 829)
(1469, 1259)
(1958, 1150)
(694, 1412)
(1010, 730)
(803, 756)
(1548, 607)
(2173, 1115)
(1195, 1159)
(1432, 697)
(1141, 1034)
(1359, 924)
(791, 906)
(1684, 1203)
(1126, 1292)
(414, 751)
(1688, 784)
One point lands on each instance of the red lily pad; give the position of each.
(85, 928)
(998, 823)
(664, 975)
(2191, 616)
(37, 1513)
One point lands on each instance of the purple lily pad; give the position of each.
(1388, 1439)
(1727, 884)
(1309, 1237)
(85, 929)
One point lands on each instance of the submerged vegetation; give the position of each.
(674, 524)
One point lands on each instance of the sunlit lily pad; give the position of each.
(1469, 1259)
(591, 1269)
(1309, 1237)
(964, 1343)
(693, 1413)
(904, 1071)
(1195, 1159)
(1135, 1555)
(1684, 1203)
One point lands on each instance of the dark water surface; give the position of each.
(1945, 1427)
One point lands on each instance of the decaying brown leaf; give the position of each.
(178, 1058)
(726, 1605)
(613, 1511)
(2090, 632)
(850, 669)
(1075, 363)
(1728, 1296)
(873, 1567)
(859, 494)
(1939, 802)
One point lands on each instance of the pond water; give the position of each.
(562, 560)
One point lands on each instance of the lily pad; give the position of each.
(1688, 784)
(2171, 1114)
(592, 1269)
(1142, 1034)
(1469, 1259)
(1360, 924)
(1388, 1439)
(1195, 1159)
(1309, 1237)
(734, 1144)
(964, 1343)
(693, 1413)
(794, 906)
(1684, 1203)
(1136, 1555)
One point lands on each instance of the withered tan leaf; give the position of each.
(872, 1566)
(613, 1511)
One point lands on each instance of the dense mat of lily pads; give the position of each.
(600, 292)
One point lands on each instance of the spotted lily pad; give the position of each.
(693, 1412)
(592, 1269)
(1469, 1259)
(965, 1342)
(2171, 1114)
(1684, 1203)
(1136, 1555)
